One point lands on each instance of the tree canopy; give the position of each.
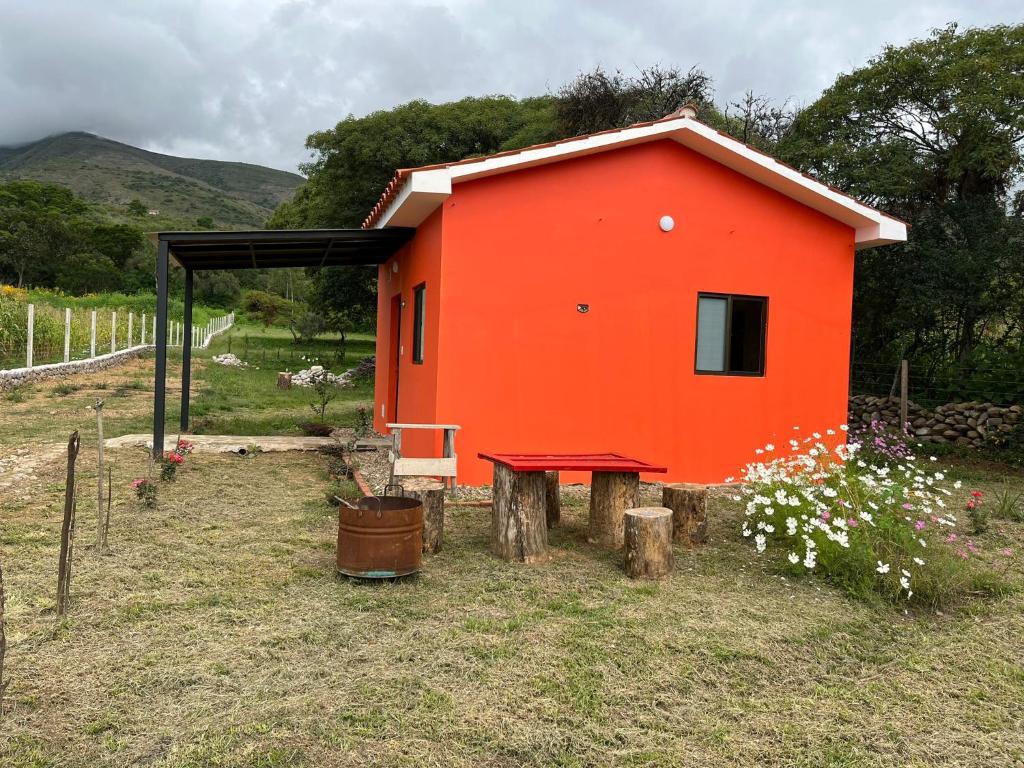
(931, 131)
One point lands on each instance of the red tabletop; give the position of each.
(580, 462)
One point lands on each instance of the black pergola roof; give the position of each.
(259, 249)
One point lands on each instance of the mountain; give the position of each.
(180, 189)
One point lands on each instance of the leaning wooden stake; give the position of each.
(431, 495)
(3, 642)
(101, 522)
(648, 542)
(552, 502)
(519, 530)
(67, 529)
(611, 494)
(689, 505)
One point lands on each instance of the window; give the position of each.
(418, 316)
(731, 334)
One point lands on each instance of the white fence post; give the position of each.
(130, 317)
(113, 332)
(67, 334)
(92, 335)
(154, 329)
(31, 333)
(142, 329)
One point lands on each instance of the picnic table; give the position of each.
(518, 518)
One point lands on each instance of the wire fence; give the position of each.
(996, 385)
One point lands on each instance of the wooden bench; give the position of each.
(444, 467)
(519, 515)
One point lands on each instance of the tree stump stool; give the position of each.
(552, 500)
(519, 531)
(284, 381)
(430, 494)
(648, 542)
(689, 505)
(611, 494)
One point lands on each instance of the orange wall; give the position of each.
(521, 370)
(418, 262)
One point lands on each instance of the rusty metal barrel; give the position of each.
(381, 538)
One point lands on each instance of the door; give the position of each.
(394, 357)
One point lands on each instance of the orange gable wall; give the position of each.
(418, 262)
(521, 370)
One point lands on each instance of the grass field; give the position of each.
(216, 633)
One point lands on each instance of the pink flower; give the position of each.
(971, 546)
(1006, 552)
(137, 482)
(908, 505)
(951, 537)
(919, 525)
(970, 505)
(825, 515)
(852, 522)
(962, 554)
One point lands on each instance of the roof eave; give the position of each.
(424, 190)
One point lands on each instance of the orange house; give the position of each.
(663, 291)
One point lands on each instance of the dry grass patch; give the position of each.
(217, 634)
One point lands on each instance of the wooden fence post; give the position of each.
(113, 332)
(67, 530)
(142, 329)
(3, 640)
(101, 528)
(130, 318)
(67, 335)
(154, 329)
(904, 386)
(31, 332)
(92, 335)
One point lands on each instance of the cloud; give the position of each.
(250, 79)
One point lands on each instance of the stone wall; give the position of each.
(15, 377)
(970, 424)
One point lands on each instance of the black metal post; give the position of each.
(186, 352)
(160, 369)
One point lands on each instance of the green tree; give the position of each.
(931, 131)
(137, 208)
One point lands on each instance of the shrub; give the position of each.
(873, 529)
(881, 443)
(145, 491)
(1009, 505)
(169, 464)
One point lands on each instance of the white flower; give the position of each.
(817, 435)
(905, 572)
(791, 526)
(830, 431)
(809, 558)
(759, 542)
(769, 529)
(958, 485)
(746, 531)
(843, 427)
(905, 582)
(769, 447)
(882, 567)
(922, 542)
(794, 558)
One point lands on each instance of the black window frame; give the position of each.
(728, 333)
(419, 321)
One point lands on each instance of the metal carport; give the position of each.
(258, 249)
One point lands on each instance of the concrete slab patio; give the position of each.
(227, 443)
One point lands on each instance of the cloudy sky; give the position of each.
(249, 79)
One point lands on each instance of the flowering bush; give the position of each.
(881, 444)
(870, 528)
(169, 464)
(145, 491)
(184, 447)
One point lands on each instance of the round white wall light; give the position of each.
(666, 223)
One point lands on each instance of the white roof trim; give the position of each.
(423, 191)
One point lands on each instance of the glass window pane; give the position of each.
(711, 333)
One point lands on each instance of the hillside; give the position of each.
(182, 189)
